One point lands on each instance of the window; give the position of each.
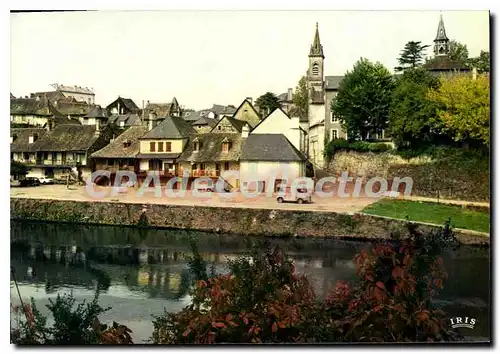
(111, 162)
(13, 138)
(196, 146)
(122, 124)
(335, 119)
(315, 69)
(160, 146)
(127, 143)
(152, 146)
(168, 146)
(219, 127)
(202, 166)
(226, 146)
(226, 165)
(194, 166)
(335, 134)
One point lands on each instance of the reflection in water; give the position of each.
(140, 272)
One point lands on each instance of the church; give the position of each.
(322, 125)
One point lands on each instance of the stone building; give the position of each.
(323, 125)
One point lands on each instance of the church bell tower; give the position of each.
(441, 43)
(315, 73)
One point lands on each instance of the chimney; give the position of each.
(250, 99)
(244, 131)
(37, 98)
(290, 94)
(150, 125)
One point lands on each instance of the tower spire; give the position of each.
(441, 31)
(441, 43)
(316, 47)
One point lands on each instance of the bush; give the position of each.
(361, 146)
(263, 300)
(71, 325)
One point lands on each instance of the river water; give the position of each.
(140, 272)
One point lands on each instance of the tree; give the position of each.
(18, 169)
(267, 103)
(464, 107)
(364, 98)
(411, 56)
(411, 121)
(458, 51)
(300, 100)
(481, 63)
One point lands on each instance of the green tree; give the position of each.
(18, 169)
(481, 63)
(364, 98)
(300, 100)
(458, 51)
(411, 56)
(267, 103)
(464, 107)
(411, 122)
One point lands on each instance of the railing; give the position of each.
(205, 173)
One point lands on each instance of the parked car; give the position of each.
(301, 195)
(29, 182)
(46, 180)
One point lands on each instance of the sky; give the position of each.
(213, 57)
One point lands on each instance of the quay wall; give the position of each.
(244, 221)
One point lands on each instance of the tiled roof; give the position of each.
(128, 119)
(96, 112)
(32, 106)
(67, 137)
(117, 149)
(269, 147)
(205, 121)
(21, 141)
(211, 148)
(170, 128)
(236, 123)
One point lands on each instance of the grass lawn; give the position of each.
(435, 213)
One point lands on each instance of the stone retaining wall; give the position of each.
(264, 222)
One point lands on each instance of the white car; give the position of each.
(46, 180)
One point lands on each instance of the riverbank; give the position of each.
(244, 221)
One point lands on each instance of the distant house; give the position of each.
(161, 146)
(228, 125)
(161, 110)
(286, 100)
(278, 122)
(122, 106)
(121, 153)
(264, 156)
(247, 112)
(22, 144)
(78, 93)
(125, 120)
(211, 154)
(97, 116)
(63, 150)
(204, 125)
(34, 112)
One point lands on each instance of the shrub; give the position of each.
(263, 300)
(71, 325)
(361, 146)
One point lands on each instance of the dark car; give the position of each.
(29, 182)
